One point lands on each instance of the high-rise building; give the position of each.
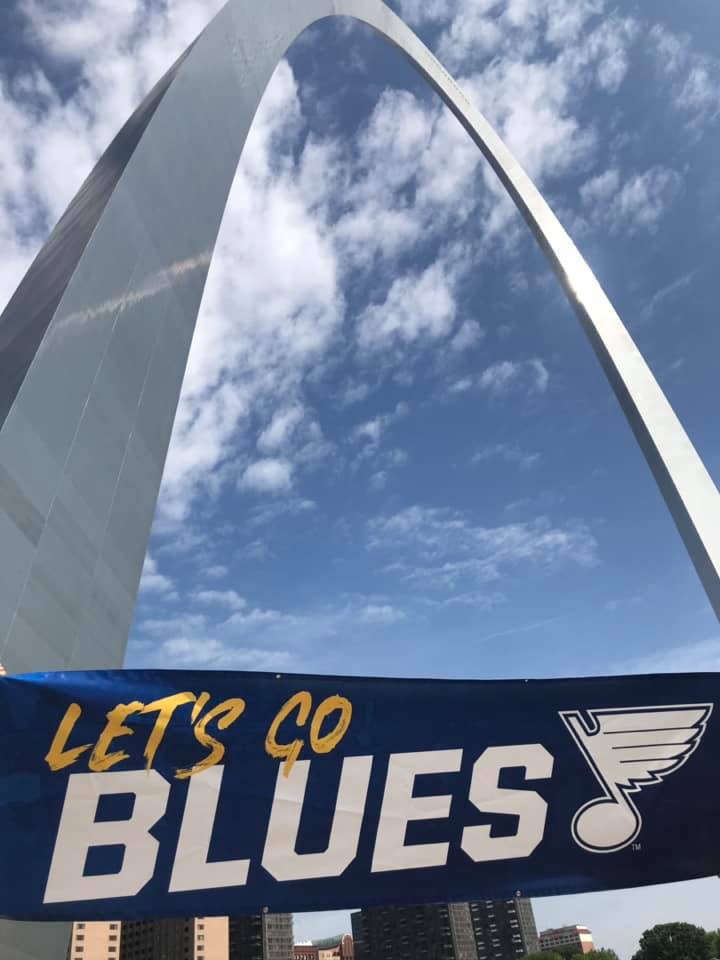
(95, 940)
(504, 929)
(204, 938)
(480, 930)
(528, 928)
(158, 939)
(358, 934)
(266, 936)
(211, 938)
(404, 933)
(575, 936)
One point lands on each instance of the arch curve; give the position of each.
(93, 345)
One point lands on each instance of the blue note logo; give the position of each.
(628, 749)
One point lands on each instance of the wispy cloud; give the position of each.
(666, 293)
(507, 376)
(228, 599)
(703, 655)
(509, 453)
(154, 582)
(269, 475)
(418, 306)
(694, 76)
(380, 613)
(637, 202)
(371, 431)
(213, 655)
(442, 549)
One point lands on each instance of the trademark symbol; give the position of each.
(637, 847)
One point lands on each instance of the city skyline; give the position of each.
(353, 449)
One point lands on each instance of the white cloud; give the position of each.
(211, 654)
(461, 385)
(410, 173)
(636, 203)
(271, 309)
(694, 76)
(259, 618)
(474, 598)
(183, 623)
(507, 376)
(380, 613)
(269, 513)
(228, 599)
(665, 293)
(378, 480)
(370, 431)
(687, 658)
(268, 476)
(422, 11)
(443, 550)
(279, 431)
(417, 306)
(599, 190)
(510, 453)
(152, 581)
(468, 335)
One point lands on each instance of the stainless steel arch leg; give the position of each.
(94, 343)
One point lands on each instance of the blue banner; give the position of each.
(131, 794)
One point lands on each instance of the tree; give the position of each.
(713, 939)
(674, 941)
(543, 956)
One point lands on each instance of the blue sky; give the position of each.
(395, 452)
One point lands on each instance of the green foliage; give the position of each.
(713, 942)
(567, 953)
(674, 941)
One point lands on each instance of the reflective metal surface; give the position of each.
(93, 349)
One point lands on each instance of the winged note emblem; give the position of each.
(627, 749)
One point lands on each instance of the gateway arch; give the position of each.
(93, 347)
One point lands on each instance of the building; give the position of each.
(339, 947)
(436, 932)
(358, 936)
(158, 939)
(95, 940)
(504, 929)
(202, 938)
(305, 951)
(480, 930)
(578, 937)
(266, 936)
(403, 933)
